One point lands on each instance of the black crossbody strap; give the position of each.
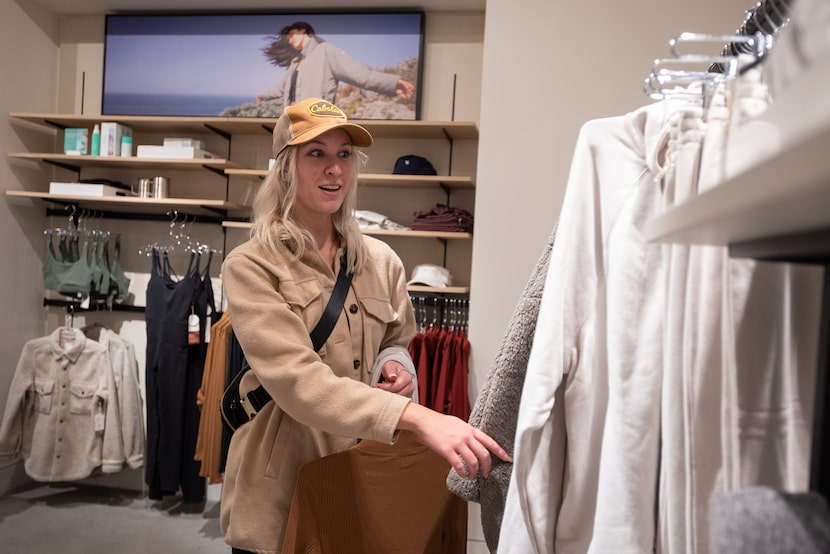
(259, 396)
(331, 314)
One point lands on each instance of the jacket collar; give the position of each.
(71, 349)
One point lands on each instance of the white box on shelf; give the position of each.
(173, 152)
(111, 135)
(184, 141)
(83, 189)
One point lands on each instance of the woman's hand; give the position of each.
(396, 379)
(404, 89)
(466, 448)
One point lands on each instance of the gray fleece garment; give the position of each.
(496, 408)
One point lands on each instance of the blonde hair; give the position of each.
(274, 223)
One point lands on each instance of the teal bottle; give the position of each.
(95, 149)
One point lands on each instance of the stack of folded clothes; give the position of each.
(443, 218)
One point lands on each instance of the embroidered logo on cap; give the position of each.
(325, 109)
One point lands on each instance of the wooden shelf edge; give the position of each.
(130, 201)
(419, 234)
(786, 193)
(438, 290)
(380, 232)
(132, 161)
(381, 179)
(379, 128)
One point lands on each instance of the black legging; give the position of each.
(240, 551)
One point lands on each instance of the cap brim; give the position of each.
(427, 282)
(360, 136)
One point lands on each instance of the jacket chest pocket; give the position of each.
(305, 299)
(82, 400)
(44, 389)
(379, 316)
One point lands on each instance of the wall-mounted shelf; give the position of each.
(78, 162)
(438, 290)
(134, 204)
(778, 210)
(446, 235)
(453, 130)
(232, 215)
(382, 179)
(787, 194)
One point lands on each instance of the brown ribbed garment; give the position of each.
(375, 499)
(208, 449)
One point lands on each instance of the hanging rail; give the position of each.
(765, 18)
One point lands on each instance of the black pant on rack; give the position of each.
(173, 376)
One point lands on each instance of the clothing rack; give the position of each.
(765, 19)
(73, 306)
(755, 35)
(136, 216)
(439, 311)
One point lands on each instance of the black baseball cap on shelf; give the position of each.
(413, 165)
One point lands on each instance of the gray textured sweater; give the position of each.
(496, 408)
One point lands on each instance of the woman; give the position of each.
(277, 285)
(316, 68)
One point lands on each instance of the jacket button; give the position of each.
(353, 308)
(357, 364)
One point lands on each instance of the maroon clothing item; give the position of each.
(443, 218)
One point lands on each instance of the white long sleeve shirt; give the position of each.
(125, 408)
(586, 450)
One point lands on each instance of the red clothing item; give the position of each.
(425, 366)
(376, 497)
(458, 401)
(444, 369)
(441, 359)
(451, 395)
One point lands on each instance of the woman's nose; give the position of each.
(334, 168)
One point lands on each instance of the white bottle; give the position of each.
(127, 146)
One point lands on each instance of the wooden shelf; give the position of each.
(237, 224)
(381, 232)
(381, 179)
(134, 204)
(451, 130)
(786, 194)
(438, 290)
(390, 180)
(77, 162)
(232, 215)
(253, 174)
(419, 234)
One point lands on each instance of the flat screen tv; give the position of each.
(251, 65)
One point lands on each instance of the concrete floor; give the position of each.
(72, 518)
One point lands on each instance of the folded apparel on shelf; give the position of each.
(443, 218)
(368, 220)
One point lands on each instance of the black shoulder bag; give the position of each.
(237, 410)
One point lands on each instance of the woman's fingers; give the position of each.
(491, 445)
(478, 458)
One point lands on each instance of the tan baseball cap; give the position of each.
(303, 121)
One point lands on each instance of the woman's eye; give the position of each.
(345, 154)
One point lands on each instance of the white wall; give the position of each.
(28, 84)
